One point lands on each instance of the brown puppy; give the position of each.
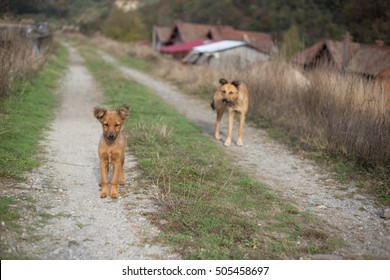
(235, 97)
(112, 147)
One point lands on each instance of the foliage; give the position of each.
(315, 19)
(124, 26)
(291, 43)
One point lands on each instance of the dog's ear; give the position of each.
(99, 112)
(223, 81)
(123, 111)
(236, 83)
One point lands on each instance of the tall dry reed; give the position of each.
(342, 114)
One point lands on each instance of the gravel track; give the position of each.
(72, 222)
(75, 222)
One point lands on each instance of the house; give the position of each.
(190, 33)
(327, 52)
(226, 53)
(369, 60)
(160, 36)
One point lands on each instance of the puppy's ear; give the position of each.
(99, 112)
(123, 111)
(236, 83)
(223, 81)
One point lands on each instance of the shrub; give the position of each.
(124, 26)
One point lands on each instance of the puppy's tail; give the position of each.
(212, 105)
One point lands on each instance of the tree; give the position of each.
(291, 42)
(124, 26)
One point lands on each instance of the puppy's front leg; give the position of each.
(121, 172)
(104, 176)
(115, 179)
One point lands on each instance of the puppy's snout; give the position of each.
(224, 100)
(111, 136)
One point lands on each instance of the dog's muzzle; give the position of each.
(225, 101)
(111, 136)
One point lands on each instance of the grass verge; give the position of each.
(210, 209)
(25, 116)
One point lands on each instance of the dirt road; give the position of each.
(350, 215)
(76, 223)
(70, 221)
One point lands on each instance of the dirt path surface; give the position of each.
(80, 225)
(349, 215)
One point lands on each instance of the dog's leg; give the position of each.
(230, 129)
(104, 176)
(218, 124)
(121, 173)
(242, 123)
(115, 179)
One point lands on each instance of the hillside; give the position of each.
(366, 21)
(316, 19)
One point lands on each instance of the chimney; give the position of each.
(380, 43)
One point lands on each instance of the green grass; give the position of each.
(212, 209)
(24, 117)
(7, 215)
(136, 63)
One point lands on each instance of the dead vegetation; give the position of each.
(18, 60)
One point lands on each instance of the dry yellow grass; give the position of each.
(17, 59)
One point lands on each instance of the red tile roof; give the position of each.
(370, 60)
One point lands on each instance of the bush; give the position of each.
(124, 26)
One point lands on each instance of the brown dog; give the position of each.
(112, 147)
(235, 97)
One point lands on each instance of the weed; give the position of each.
(7, 214)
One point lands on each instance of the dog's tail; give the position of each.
(212, 105)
